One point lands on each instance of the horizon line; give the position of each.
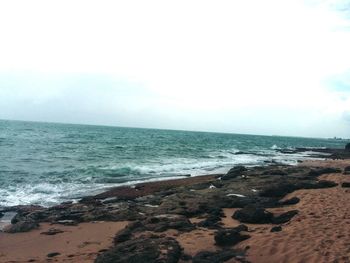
(169, 129)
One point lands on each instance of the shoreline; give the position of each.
(50, 194)
(190, 219)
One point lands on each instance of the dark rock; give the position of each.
(278, 190)
(276, 229)
(285, 217)
(144, 249)
(66, 222)
(345, 185)
(230, 237)
(215, 257)
(22, 226)
(126, 233)
(164, 222)
(186, 257)
(275, 172)
(210, 222)
(123, 235)
(234, 172)
(54, 254)
(157, 224)
(52, 232)
(291, 201)
(321, 171)
(253, 215)
(323, 184)
(213, 220)
(347, 147)
(347, 170)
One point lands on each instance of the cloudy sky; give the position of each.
(258, 67)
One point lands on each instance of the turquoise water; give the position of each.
(45, 163)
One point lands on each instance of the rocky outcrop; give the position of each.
(284, 218)
(291, 201)
(321, 171)
(258, 215)
(253, 215)
(230, 237)
(234, 173)
(276, 229)
(347, 170)
(152, 249)
(347, 147)
(21, 226)
(345, 185)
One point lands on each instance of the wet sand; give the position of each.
(76, 244)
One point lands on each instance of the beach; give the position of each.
(275, 213)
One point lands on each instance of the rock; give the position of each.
(234, 172)
(52, 232)
(157, 224)
(126, 233)
(213, 220)
(276, 229)
(143, 249)
(186, 257)
(274, 172)
(67, 222)
(291, 201)
(345, 185)
(278, 190)
(285, 217)
(230, 237)
(215, 257)
(164, 222)
(123, 235)
(22, 226)
(54, 254)
(253, 215)
(347, 170)
(347, 147)
(321, 171)
(323, 184)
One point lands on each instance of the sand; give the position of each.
(76, 244)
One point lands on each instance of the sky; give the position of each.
(259, 67)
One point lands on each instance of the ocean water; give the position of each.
(45, 163)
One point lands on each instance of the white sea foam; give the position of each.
(49, 194)
(274, 147)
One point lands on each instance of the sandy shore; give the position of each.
(319, 232)
(75, 244)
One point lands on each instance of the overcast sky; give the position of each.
(258, 67)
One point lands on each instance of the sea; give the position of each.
(49, 163)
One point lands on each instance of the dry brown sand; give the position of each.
(76, 244)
